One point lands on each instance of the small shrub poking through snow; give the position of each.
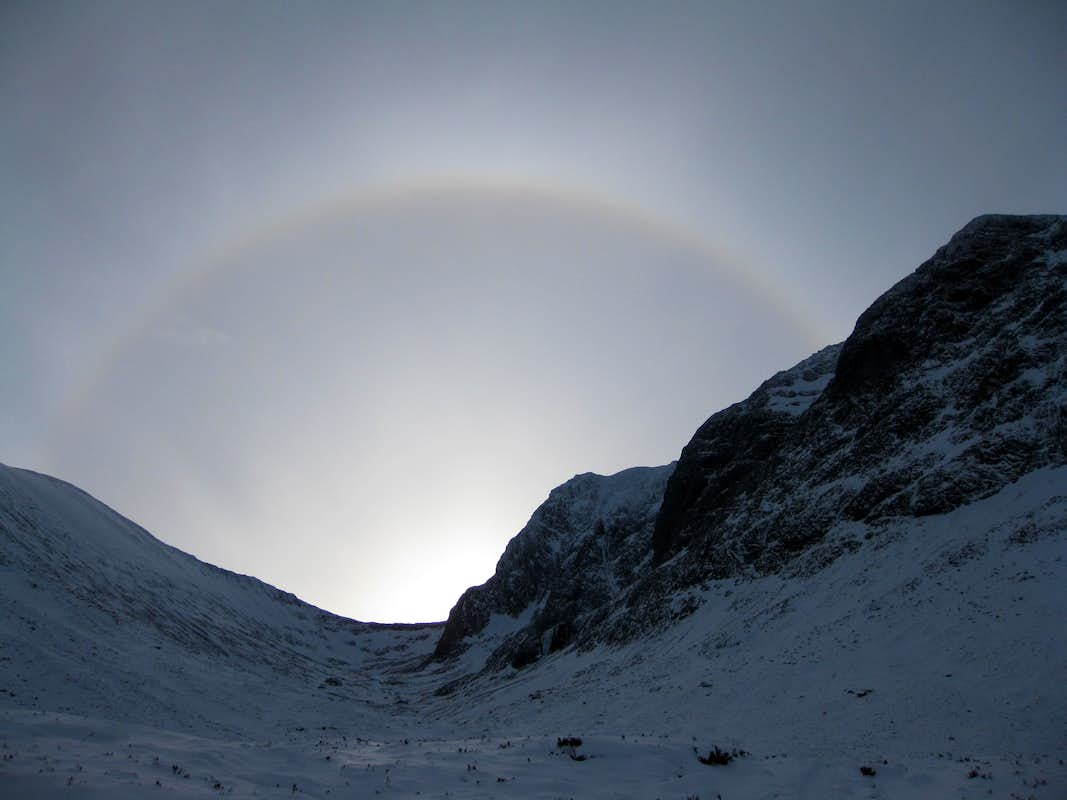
(717, 757)
(571, 745)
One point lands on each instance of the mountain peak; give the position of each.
(950, 386)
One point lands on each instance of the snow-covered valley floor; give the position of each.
(934, 654)
(52, 755)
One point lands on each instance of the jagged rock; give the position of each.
(588, 541)
(951, 386)
(729, 457)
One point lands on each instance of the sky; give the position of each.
(333, 294)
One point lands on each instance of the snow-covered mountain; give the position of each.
(863, 564)
(97, 617)
(952, 385)
(581, 550)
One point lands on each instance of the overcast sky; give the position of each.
(334, 293)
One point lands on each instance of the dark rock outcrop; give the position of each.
(588, 541)
(951, 386)
(731, 455)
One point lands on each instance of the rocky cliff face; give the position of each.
(952, 385)
(581, 548)
(731, 456)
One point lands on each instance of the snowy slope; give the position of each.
(99, 618)
(952, 385)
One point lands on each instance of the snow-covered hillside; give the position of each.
(98, 618)
(852, 584)
(581, 551)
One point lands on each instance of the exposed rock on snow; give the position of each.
(582, 547)
(951, 386)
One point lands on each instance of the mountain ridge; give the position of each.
(857, 432)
